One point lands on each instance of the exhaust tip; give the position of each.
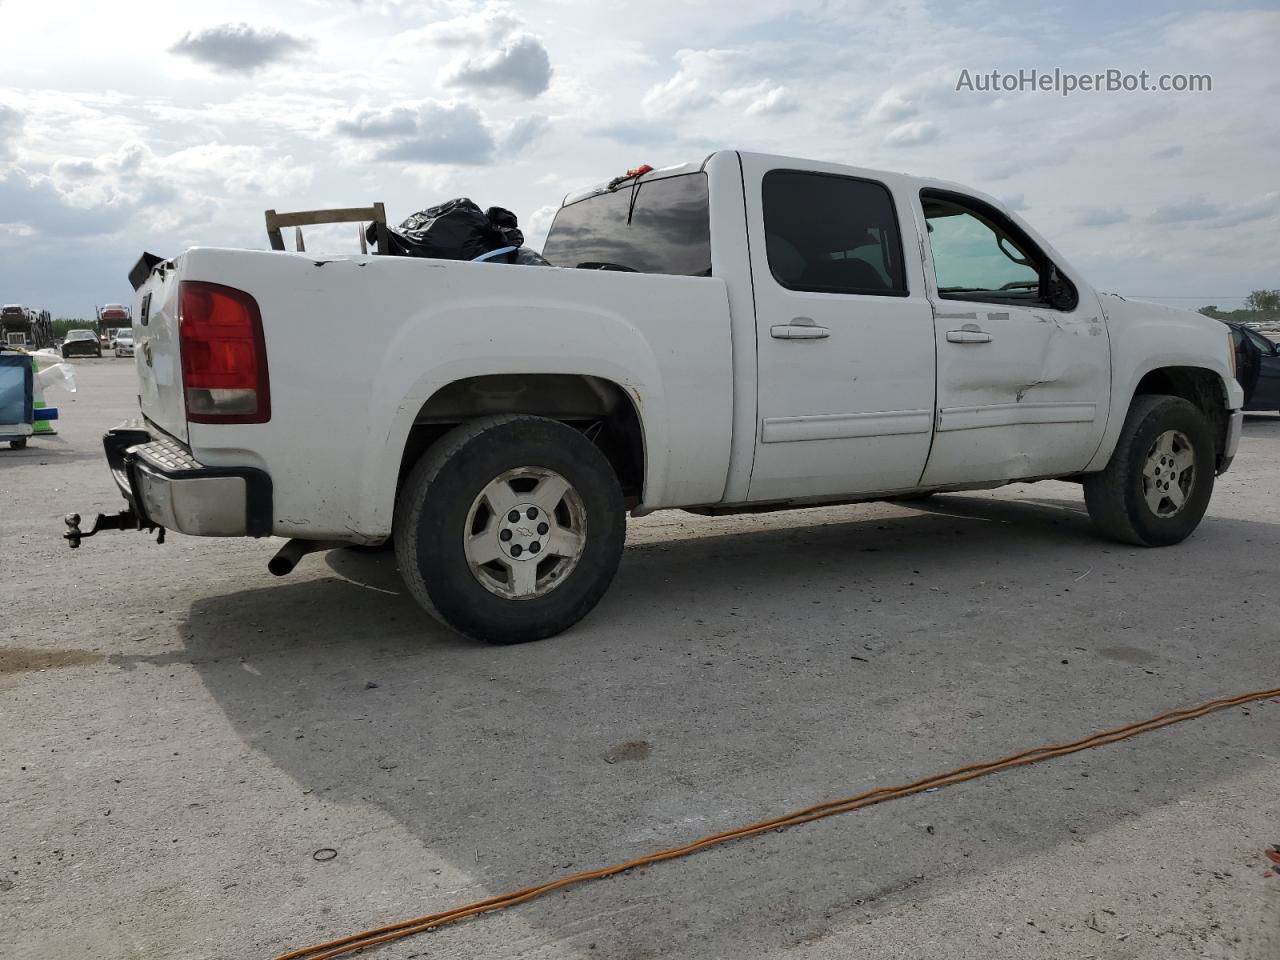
(280, 566)
(287, 557)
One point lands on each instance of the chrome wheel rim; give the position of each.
(525, 533)
(1169, 474)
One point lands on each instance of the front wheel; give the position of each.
(510, 528)
(1157, 486)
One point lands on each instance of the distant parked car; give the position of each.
(84, 343)
(1258, 367)
(124, 343)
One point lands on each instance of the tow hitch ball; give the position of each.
(124, 520)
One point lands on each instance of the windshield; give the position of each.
(81, 335)
(124, 335)
(663, 226)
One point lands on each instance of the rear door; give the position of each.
(156, 354)
(844, 335)
(1024, 372)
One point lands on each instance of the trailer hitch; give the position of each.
(124, 520)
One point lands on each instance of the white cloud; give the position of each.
(912, 134)
(711, 78)
(10, 130)
(486, 27)
(238, 47)
(493, 53)
(1100, 216)
(1185, 211)
(764, 99)
(524, 133)
(429, 131)
(1244, 33)
(33, 205)
(520, 66)
(893, 105)
(695, 84)
(382, 123)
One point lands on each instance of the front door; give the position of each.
(844, 336)
(1024, 364)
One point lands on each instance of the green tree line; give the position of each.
(1259, 305)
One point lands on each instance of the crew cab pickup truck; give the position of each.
(742, 333)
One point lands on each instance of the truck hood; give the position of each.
(1115, 305)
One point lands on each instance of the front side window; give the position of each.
(978, 254)
(657, 226)
(832, 234)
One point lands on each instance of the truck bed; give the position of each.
(357, 345)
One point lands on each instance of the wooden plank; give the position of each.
(308, 218)
(377, 214)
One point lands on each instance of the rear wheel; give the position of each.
(1157, 486)
(510, 528)
(18, 444)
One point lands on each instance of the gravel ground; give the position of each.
(182, 732)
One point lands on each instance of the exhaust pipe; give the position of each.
(287, 557)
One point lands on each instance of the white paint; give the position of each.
(730, 412)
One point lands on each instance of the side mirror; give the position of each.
(1059, 291)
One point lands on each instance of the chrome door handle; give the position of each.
(969, 333)
(801, 328)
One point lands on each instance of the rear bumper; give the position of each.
(169, 488)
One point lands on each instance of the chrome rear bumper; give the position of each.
(167, 487)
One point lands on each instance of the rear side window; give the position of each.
(659, 226)
(832, 234)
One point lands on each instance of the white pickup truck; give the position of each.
(746, 332)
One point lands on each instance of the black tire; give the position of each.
(1115, 497)
(18, 444)
(434, 504)
(99, 354)
(64, 353)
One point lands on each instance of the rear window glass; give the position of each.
(662, 226)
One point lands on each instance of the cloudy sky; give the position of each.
(126, 126)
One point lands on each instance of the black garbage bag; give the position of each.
(455, 230)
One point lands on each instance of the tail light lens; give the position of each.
(224, 355)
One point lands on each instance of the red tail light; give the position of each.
(224, 355)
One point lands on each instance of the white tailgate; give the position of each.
(156, 351)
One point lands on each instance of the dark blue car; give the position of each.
(1257, 368)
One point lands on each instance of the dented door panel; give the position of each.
(1023, 389)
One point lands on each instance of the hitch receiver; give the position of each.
(124, 520)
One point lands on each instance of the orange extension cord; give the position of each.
(406, 928)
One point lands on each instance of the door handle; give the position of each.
(969, 333)
(801, 328)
